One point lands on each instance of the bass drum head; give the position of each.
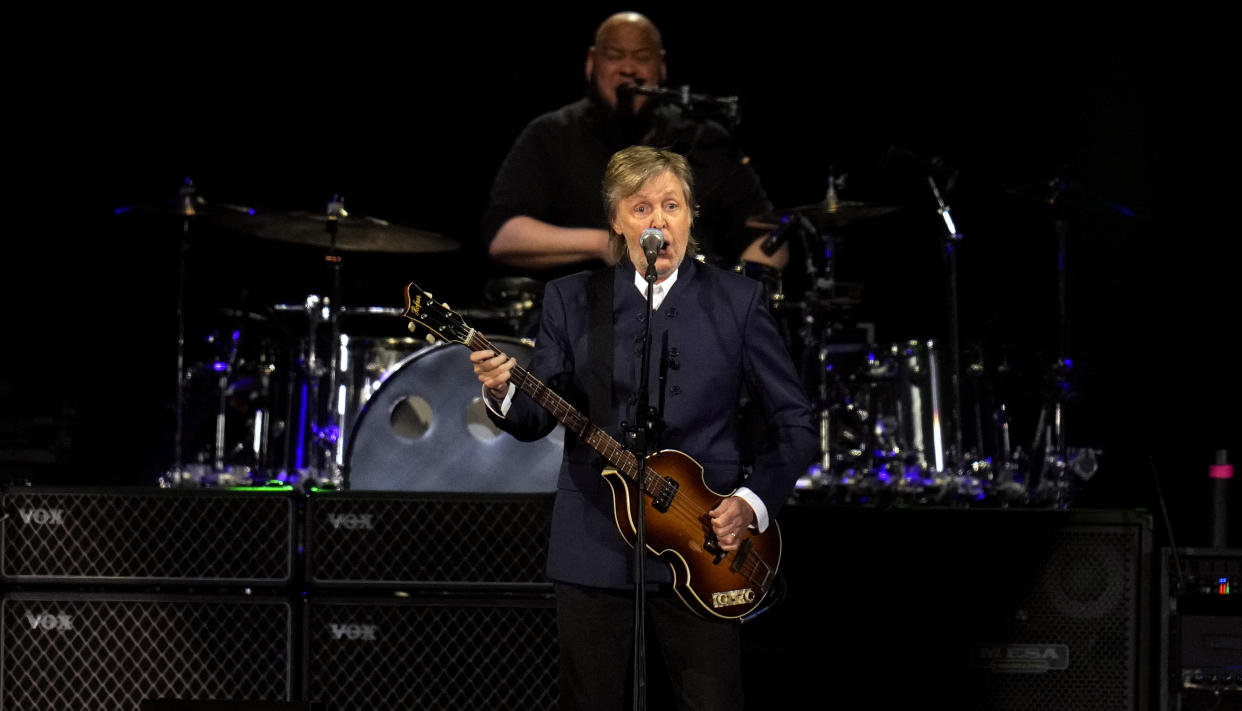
(426, 429)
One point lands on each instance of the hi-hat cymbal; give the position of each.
(823, 216)
(349, 233)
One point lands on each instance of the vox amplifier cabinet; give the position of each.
(102, 651)
(156, 536)
(451, 652)
(415, 540)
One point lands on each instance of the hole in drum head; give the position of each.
(478, 424)
(411, 417)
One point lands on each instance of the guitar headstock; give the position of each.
(440, 319)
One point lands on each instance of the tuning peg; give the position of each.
(411, 325)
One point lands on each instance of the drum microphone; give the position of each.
(781, 233)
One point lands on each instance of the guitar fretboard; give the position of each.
(572, 419)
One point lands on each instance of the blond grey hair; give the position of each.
(628, 171)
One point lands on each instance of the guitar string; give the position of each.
(693, 515)
(748, 567)
(751, 566)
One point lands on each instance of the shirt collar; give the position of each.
(660, 290)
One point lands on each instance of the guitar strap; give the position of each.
(598, 380)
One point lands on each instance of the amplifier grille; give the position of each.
(147, 536)
(458, 654)
(95, 652)
(442, 539)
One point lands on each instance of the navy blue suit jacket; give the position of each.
(721, 340)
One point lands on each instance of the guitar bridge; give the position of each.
(664, 496)
(743, 552)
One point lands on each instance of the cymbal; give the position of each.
(843, 212)
(195, 208)
(506, 290)
(352, 233)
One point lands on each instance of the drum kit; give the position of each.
(315, 392)
(915, 421)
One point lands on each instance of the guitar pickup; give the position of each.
(663, 498)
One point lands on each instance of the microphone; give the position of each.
(627, 91)
(680, 95)
(651, 241)
(789, 225)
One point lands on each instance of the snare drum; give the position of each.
(425, 428)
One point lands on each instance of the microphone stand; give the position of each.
(646, 432)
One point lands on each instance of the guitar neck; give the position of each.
(567, 415)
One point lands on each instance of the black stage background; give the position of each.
(409, 119)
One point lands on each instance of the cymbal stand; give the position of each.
(836, 413)
(812, 340)
(328, 434)
(1054, 460)
(185, 207)
(952, 238)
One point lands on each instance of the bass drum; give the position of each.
(426, 429)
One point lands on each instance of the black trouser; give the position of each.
(596, 635)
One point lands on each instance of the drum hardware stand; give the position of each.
(186, 209)
(325, 424)
(187, 205)
(1054, 457)
(1052, 483)
(998, 472)
(814, 333)
(951, 239)
(224, 369)
(836, 469)
(314, 449)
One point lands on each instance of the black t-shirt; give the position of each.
(555, 168)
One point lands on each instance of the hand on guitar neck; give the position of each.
(493, 371)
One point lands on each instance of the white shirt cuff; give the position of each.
(499, 408)
(761, 511)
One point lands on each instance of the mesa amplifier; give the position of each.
(996, 609)
(450, 652)
(460, 540)
(102, 652)
(138, 535)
